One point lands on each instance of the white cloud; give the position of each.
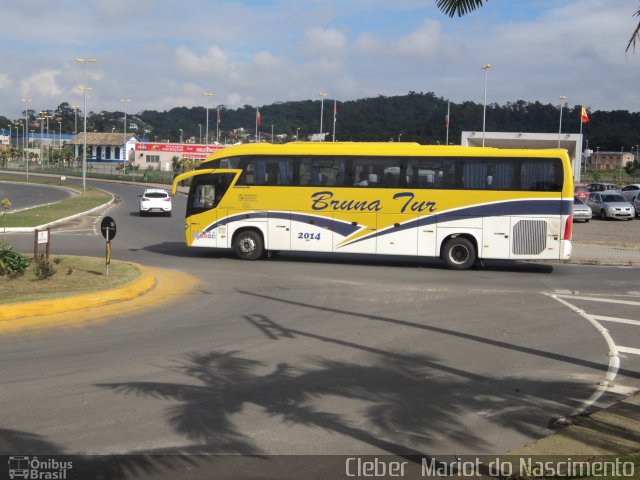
(5, 81)
(43, 83)
(214, 62)
(323, 42)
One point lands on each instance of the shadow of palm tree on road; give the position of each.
(404, 401)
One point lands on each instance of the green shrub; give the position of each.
(43, 268)
(11, 263)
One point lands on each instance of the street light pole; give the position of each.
(124, 136)
(200, 136)
(486, 68)
(180, 135)
(562, 99)
(206, 135)
(42, 117)
(322, 95)
(26, 132)
(84, 148)
(75, 119)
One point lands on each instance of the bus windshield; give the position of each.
(207, 190)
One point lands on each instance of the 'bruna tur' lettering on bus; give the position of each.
(322, 201)
(419, 206)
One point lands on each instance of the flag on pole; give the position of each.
(335, 113)
(584, 118)
(258, 116)
(446, 123)
(218, 116)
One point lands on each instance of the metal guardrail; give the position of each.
(96, 170)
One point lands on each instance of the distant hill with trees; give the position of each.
(415, 117)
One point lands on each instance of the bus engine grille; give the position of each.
(529, 237)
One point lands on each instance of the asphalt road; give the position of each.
(314, 354)
(25, 196)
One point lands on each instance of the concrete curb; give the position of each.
(145, 282)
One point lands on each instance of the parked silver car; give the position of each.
(602, 187)
(581, 211)
(630, 192)
(610, 205)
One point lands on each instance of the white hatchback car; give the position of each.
(155, 200)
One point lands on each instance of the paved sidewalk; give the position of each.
(595, 253)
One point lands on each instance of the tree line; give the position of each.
(415, 117)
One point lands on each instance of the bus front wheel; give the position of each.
(248, 245)
(459, 253)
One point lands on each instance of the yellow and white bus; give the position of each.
(461, 204)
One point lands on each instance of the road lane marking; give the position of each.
(616, 320)
(596, 299)
(613, 355)
(634, 351)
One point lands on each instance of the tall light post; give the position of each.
(124, 134)
(206, 135)
(9, 135)
(322, 95)
(218, 125)
(84, 148)
(26, 132)
(18, 126)
(180, 134)
(486, 68)
(272, 133)
(49, 139)
(60, 137)
(297, 134)
(562, 99)
(200, 135)
(75, 119)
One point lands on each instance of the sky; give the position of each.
(162, 54)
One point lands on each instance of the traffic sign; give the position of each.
(108, 228)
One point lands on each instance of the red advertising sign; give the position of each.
(187, 150)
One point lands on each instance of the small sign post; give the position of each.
(108, 229)
(40, 237)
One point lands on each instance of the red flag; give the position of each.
(218, 117)
(335, 110)
(258, 116)
(584, 118)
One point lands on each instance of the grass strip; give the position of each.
(34, 217)
(74, 276)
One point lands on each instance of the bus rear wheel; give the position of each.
(459, 253)
(248, 245)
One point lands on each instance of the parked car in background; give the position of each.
(610, 205)
(581, 192)
(602, 187)
(630, 192)
(155, 200)
(581, 211)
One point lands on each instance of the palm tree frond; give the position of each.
(635, 36)
(459, 7)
